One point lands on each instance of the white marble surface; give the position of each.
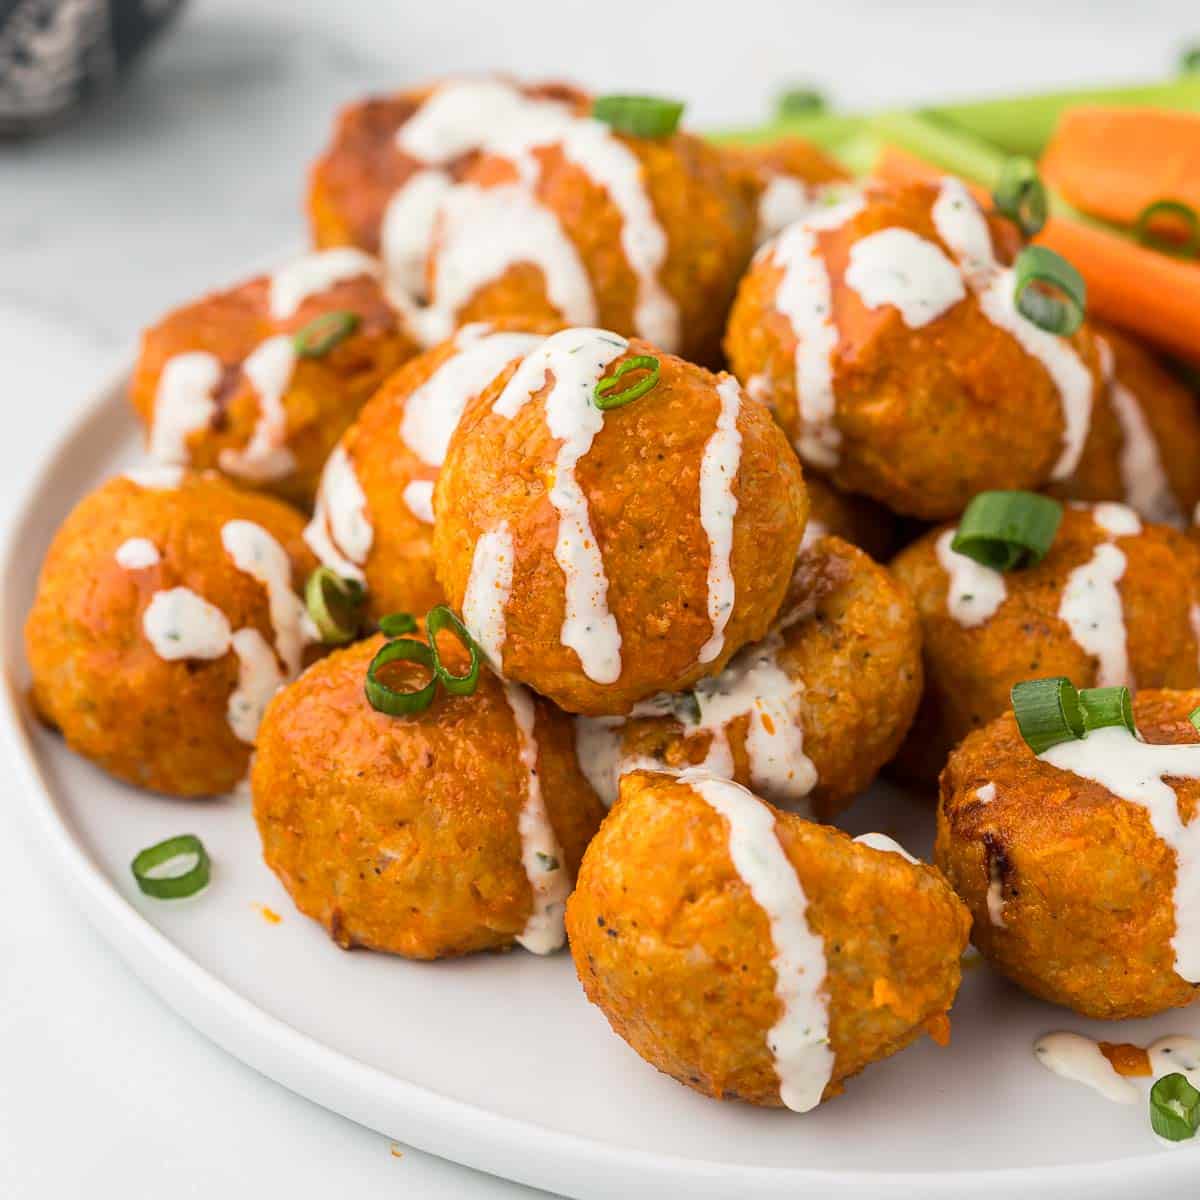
(188, 176)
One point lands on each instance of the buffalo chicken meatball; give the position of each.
(752, 955)
(1111, 604)
(854, 519)
(455, 829)
(374, 513)
(1079, 865)
(166, 617)
(1144, 447)
(883, 333)
(808, 715)
(602, 555)
(261, 380)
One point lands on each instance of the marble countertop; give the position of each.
(189, 177)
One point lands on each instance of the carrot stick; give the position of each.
(1136, 288)
(1113, 162)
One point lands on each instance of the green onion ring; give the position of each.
(639, 116)
(1020, 195)
(387, 699)
(1061, 314)
(172, 887)
(333, 604)
(800, 102)
(1174, 1108)
(397, 624)
(1105, 706)
(1189, 60)
(644, 362)
(1144, 232)
(1047, 712)
(1194, 717)
(441, 618)
(322, 333)
(1005, 530)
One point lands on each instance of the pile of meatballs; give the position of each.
(649, 415)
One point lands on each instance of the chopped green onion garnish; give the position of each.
(441, 618)
(686, 708)
(1005, 530)
(642, 362)
(1105, 706)
(800, 102)
(1021, 196)
(1194, 717)
(322, 333)
(386, 699)
(333, 604)
(397, 624)
(172, 886)
(1047, 712)
(1189, 60)
(639, 116)
(1176, 210)
(1038, 268)
(1174, 1108)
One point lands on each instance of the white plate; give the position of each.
(498, 1061)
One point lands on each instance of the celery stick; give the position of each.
(822, 129)
(1024, 124)
(951, 149)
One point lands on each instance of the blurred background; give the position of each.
(190, 174)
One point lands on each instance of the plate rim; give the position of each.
(458, 1130)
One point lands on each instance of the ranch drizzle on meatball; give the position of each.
(487, 591)
(340, 532)
(897, 268)
(799, 1039)
(485, 231)
(960, 223)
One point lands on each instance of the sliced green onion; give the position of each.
(386, 699)
(322, 333)
(1143, 228)
(1037, 268)
(333, 603)
(639, 116)
(800, 102)
(685, 707)
(1189, 60)
(180, 884)
(1105, 706)
(1047, 712)
(1174, 1108)
(397, 624)
(1194, 717)
(441, 618)
(1021, 196)
(639, 362)
(1005, 530)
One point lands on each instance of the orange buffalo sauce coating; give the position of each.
(1126, 1058)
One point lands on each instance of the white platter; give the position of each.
(498, 1061)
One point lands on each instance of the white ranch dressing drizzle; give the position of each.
(900, 269)
(488, 587)
(178, 623)
(266, 456)
(256, 553)
(156, 477)
(805, 298)
(418, 496)
(406, 231)
(1091, 601)
(881, 841)
(782, 201)
(974, 592)
(313, 274)
(541, 853)
(183, 403)
(259, 678)
(577, 360)
(718, 507)
(340, 532)
(1081, 1060)
(814, 531)
(433, 411)
(497, 118)
(995, 896)
(136, 554)
(986, 794)
(1143, 477)
(799, 1039)
(1136, 771)
(962, 226)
